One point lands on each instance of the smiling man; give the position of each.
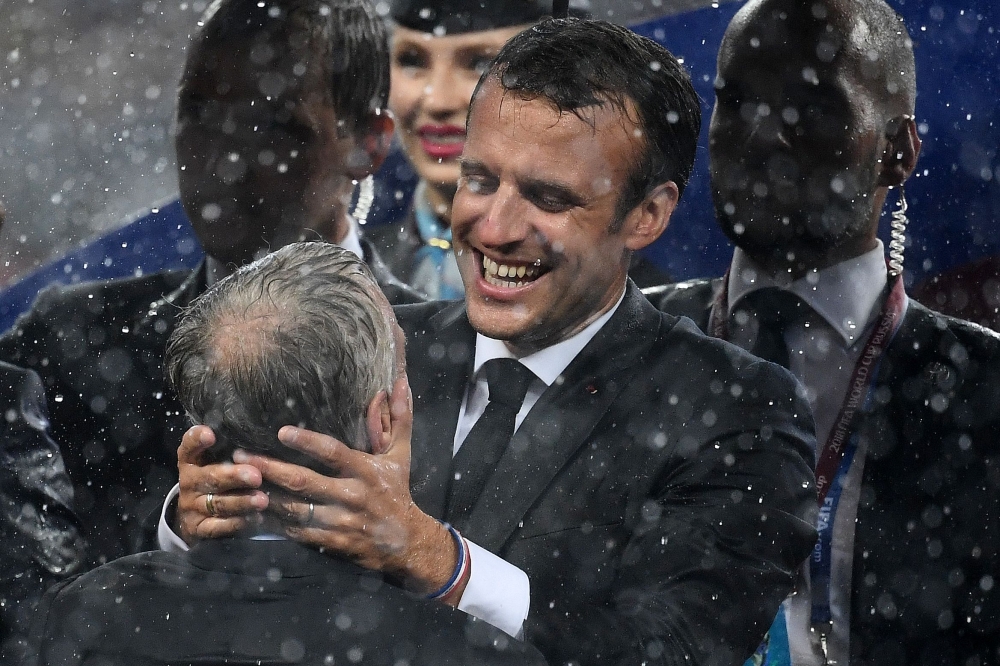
(628, 489)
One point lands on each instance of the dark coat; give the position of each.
(98, 348)
(399, 242)
(927, 542)
(658, 510)
(38, 531)
(238, 601)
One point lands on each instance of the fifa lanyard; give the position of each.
(841, 445)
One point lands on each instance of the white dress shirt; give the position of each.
(497, 592)
(845, 301)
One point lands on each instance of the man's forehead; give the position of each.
(820, 31)
(537, 113)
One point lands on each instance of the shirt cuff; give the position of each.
(165, 536)
(498, 592)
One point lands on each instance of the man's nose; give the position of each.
(767, 126)
(505, 222)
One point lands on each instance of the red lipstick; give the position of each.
(442, 142)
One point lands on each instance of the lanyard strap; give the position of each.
(838, 452)
(862, 378)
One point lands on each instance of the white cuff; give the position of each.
(498, 592)
(165, 536)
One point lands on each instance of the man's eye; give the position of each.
(551, 204)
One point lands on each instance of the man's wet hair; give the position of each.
(576, 64)
(346, 39)
(300, 337)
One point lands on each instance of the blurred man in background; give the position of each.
(280, 109)
(813, 124)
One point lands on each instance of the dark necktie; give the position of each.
(479, 454)
(775, 310)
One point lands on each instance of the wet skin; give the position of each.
(532, 218)
(796, 138)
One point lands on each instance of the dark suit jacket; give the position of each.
(927, 545)
(98, 348)
(38, 531)
(659, 497)
(399, 242)
(236, 601)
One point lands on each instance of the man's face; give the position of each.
(532, 215)
(258, 149)
(795, 136)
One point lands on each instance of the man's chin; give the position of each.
(500, 321)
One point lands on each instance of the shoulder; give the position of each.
(417, 319)
(691, 298)
(926, 333)
(101, 586)
(103, 297)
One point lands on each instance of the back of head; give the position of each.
(301, 337)
(344, 40)
(577, 63)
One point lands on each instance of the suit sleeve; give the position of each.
(711, 548)
(38, 528)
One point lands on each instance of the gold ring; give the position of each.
(210, 504)
(312, 510)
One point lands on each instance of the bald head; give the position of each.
(813, 122)
(867, 34)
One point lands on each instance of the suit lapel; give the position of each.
(562, 420)
(440, 360)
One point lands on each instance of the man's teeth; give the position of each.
(494, 273)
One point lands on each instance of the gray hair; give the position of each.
(300, 337)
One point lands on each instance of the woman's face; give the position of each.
(432, 83)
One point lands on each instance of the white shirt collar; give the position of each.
(548, 363)
(352, 240)
(844, 294)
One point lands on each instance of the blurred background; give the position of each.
(87, 91)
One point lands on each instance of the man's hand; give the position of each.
(236, 499)
(365, 512)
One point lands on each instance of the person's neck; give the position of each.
(438, 198)
(797, 263)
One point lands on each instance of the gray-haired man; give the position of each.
(302, 336)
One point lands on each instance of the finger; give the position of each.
(224, 506)
(299, 481)
(325, 449)
(349, 495)
(401, 418)
(215, 528)
(194, 443)
(219, 478)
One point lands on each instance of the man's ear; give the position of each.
(901, 152)
(647, 221)
(374, 142)
(379, 424)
